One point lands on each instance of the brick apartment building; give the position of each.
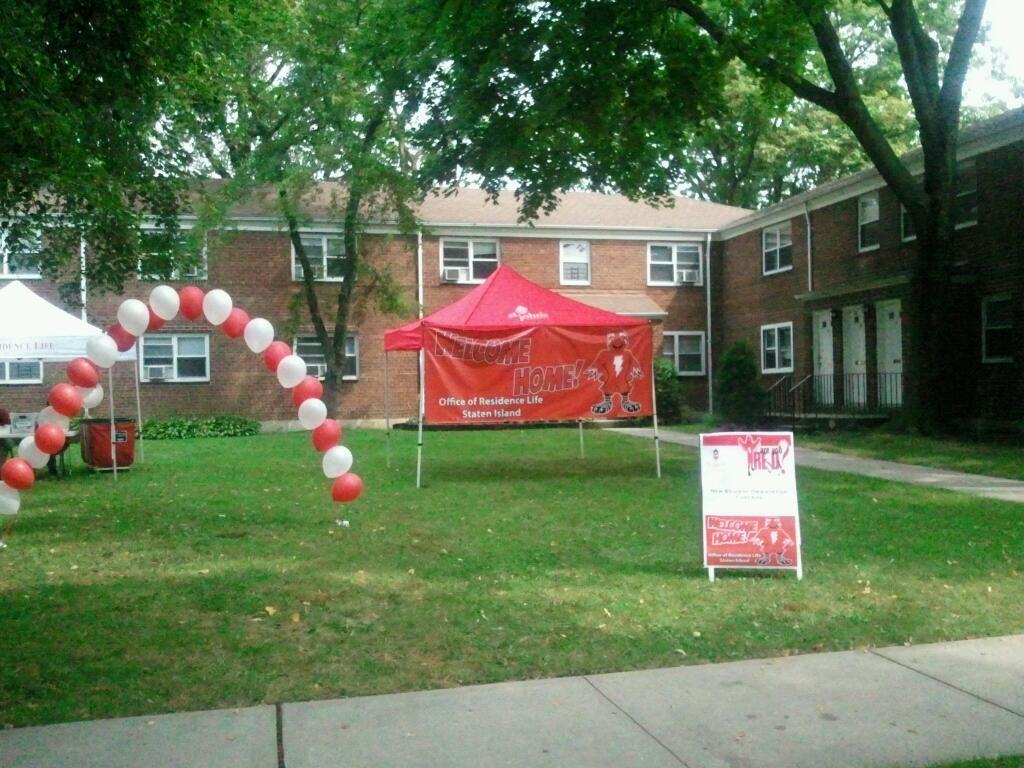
(817, 285)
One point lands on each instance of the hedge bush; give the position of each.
(217, 426)
(739, 396)
(670, 393)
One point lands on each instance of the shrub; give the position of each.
(217, 426)
(739, 395)
(668, 390)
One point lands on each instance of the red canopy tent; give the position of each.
(512, 351)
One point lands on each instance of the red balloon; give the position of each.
(65, 400)
(49, 438)
(121, 337)
(155, 321)
(309, 387)
(348, 487)
(234, 326)
(18, 474)
(82, 373)
(191, 302)
(327, 435)
(274, 354)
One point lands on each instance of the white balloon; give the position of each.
(165, 302)
(9, 500)
(291, 371)
(91, 397)
(50, 416)
(337, 461)
(312, 413)
(28, 451)
(259, 334)
(133, 316)
(217, 306)
(101, 350)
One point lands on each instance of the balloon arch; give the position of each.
(135, 318)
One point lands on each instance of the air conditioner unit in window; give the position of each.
(454, 275)
(688, 276)
(317, 370)
(158, 372)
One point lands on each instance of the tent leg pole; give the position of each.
(657, 440)
(387, 414)
(113, 434)
(582, 454)
(138, 409)
(419, 433)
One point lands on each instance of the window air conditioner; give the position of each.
(454, 275)
(688, 276)
(158, 372)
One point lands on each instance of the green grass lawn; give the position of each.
(215, 575)
(981, 458)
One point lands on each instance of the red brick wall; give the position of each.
(991, 261)
(255, 268)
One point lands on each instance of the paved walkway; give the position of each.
(920, 705)
(1000, 488)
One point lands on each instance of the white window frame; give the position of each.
(861, 248)
(676, 336)
(471, 243)
(985, 328)
(765, 250)
(355, 353)
(775, 327)
(675, 246)
(967, 164)
(7, 381)
(5, 273)
(199, 273)
(175, 379)
(904, 216)
(324, 237)
(562, 261)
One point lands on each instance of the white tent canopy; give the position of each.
(31, 328)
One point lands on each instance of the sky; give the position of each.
(1005, 21)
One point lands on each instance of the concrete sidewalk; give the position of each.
(920, 705)
(1000, 488)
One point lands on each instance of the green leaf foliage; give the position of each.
(182, 428)
(739, 395)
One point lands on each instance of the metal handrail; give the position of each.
(801, 382)
(773, 386)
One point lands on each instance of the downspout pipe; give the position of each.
(707, 340)
(810, 254)
(82, 285)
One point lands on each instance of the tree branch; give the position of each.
(755, 59)
(951, 93)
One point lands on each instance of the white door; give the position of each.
(824, 358)
(889, 326)
(855, 366)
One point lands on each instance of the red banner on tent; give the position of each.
(541, 373)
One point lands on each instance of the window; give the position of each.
(468, 261)
(574, 262)
(161, 249)
(997, 329)
(326, 254)
(685, 350)
(23, 263)
(867, 222)
(674, 264)
(180, 357)
(21, 372)
(777, 248)
(777, 348)
(308, 348)
(907, 231)
(966, 203)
